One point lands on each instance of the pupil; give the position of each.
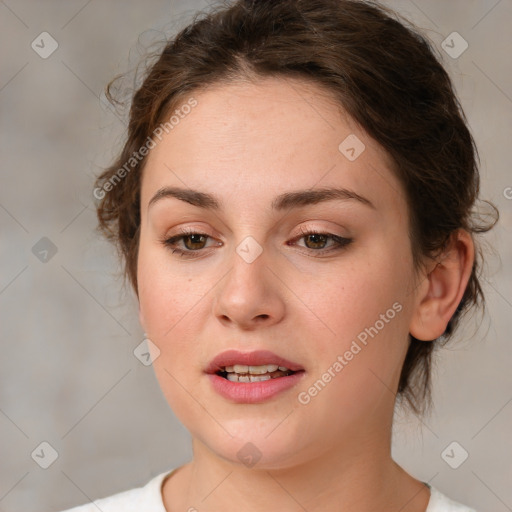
(191, 238)
(316, 236)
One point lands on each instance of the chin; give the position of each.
(255, 449)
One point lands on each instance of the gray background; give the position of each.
(68, 329)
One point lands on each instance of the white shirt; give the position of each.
(149, 499)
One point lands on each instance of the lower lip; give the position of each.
(253, 392)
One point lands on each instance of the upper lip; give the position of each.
(255, 358)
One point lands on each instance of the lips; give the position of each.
(256, 391)
(255, 358)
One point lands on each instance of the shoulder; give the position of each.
(140, 499)
(441, 503)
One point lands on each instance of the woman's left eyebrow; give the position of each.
(285, 201)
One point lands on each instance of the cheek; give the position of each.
(166, 297)
(167, 311)
(361, 311)
(170, 305)
(352, 297)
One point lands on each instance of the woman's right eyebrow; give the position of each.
(285, 201)
(194, 197)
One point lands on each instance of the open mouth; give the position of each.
(252, 377)
(245, 373)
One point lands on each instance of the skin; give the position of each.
(248, 142)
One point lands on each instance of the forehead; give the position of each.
(254, 140)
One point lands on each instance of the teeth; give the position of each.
(233, 377)
(258, 378)
(265, 368)
(255, 370)
(245, 373)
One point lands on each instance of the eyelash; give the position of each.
(340, 242)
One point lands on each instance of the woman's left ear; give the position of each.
(443, 287)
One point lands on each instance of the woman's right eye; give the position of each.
(192, 237)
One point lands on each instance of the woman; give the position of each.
(294, 208)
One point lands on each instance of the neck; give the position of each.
(358, 475)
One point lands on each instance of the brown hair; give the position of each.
(382, 71)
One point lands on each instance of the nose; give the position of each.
(250, 295)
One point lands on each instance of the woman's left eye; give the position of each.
(316, 240)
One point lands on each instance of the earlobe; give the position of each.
(443, 289)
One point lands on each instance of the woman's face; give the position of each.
(337, 304)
